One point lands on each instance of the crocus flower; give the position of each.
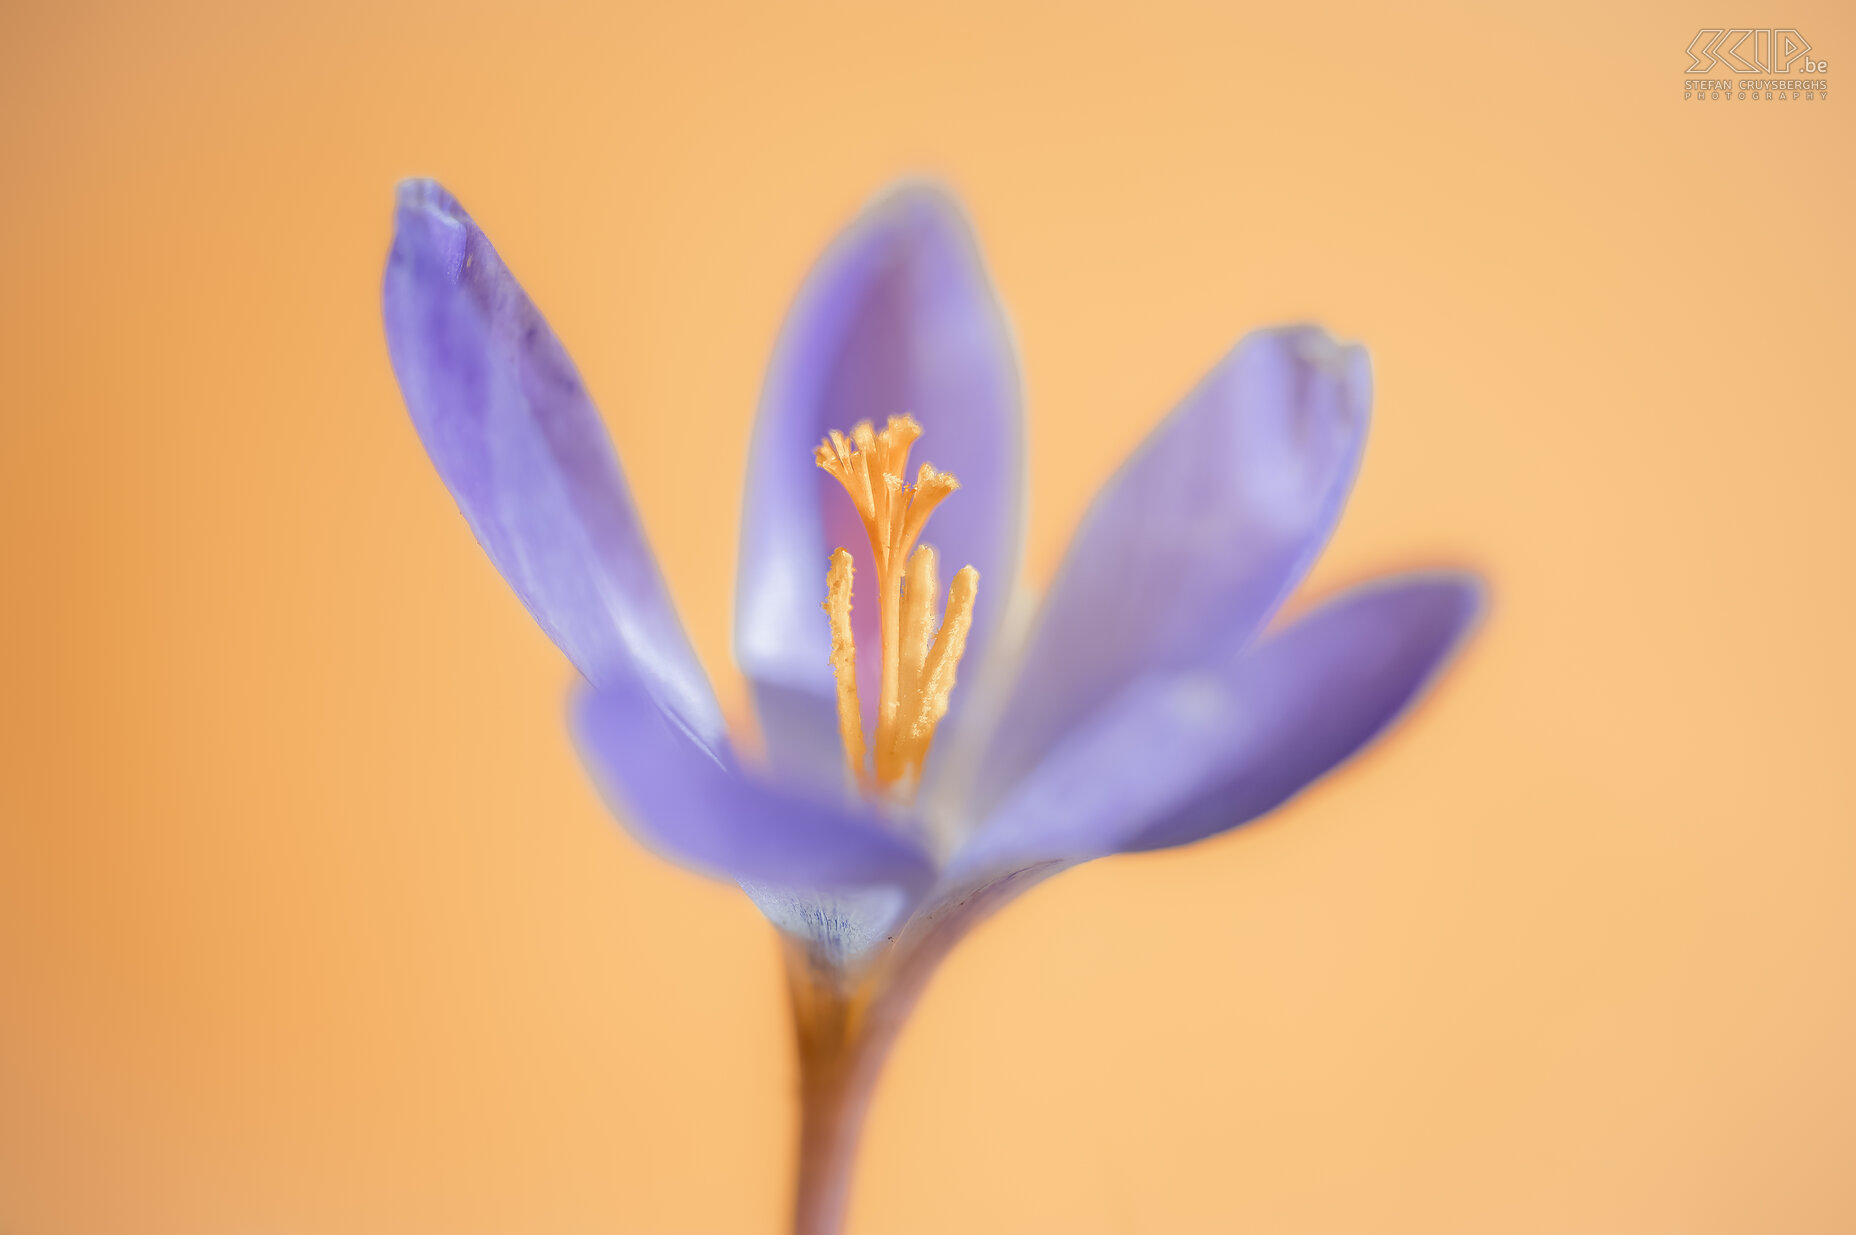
(909, 790)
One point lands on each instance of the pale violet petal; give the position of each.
(1198, 538)
(515, 437)
(692, 803)
(1184, 754)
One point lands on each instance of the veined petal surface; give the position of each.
(898, 316)
(1196, 539)
(1180, 756)
(515, 437)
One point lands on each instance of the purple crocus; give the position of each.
(1146, 705)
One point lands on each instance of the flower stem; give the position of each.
(838, 1065)
(845, 1022)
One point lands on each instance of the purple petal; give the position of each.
(898, 316)
(1197, 538)
(691, 803)
(1185, 755)
(508, 424)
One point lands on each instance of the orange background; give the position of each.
(309, 920)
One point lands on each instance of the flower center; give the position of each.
(918, 663)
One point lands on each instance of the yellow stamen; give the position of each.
(917, 675)
(844, 660)
(943, 659)
(920, 589)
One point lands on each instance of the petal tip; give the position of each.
(1313, 348)
(422, 192)
(1450, 604)
(430, 226)
(919, 212)
(918, 197)
(1463, 595)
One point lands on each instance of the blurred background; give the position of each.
(310, 921)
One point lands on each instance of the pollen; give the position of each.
(918, 662)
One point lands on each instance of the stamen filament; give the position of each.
(844, 661)
(937, 682)
(920, 587)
